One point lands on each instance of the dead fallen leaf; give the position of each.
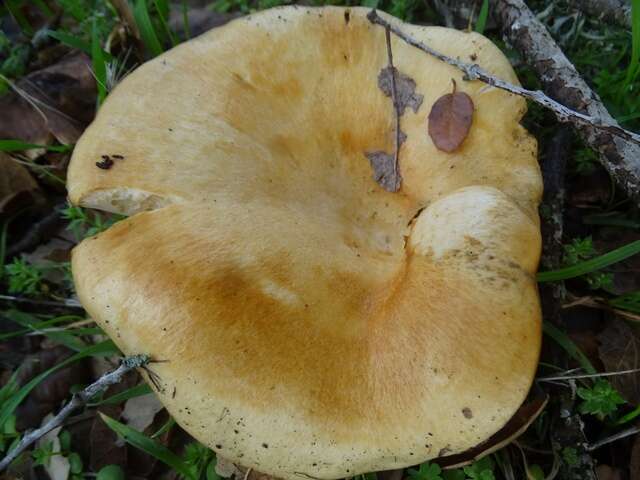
(620, 350)
(14, 180)
(605, 472)
(139, 412)
(57, 101)
(450, 120)
(226, 468)
(385, 173)
(106, 447)
(406, 95)
(48, 394)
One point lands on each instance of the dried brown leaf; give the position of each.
(106, 448)
(55, 102)
(605, 472)
(450, 120)
(620, 350)
(405, 90)
(14, 179)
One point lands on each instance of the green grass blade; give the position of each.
(60, 336)
(147, 32)
(10, 145)
(592, 265)
(98, 62)
(149, 446)
(13, 6)
(76, 42)
(100, 349)
(164, 428)
(44, 8)
(481, 22)
(610, 220)
(39, 325)
(632, 415)
(567, 344)
(70, 41)
(133, 392)
(629, 301)
(185, 20)
(633, 70)
(163, 12)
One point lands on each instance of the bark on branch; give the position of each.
(78, 399)
(620, 155)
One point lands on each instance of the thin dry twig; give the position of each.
(587, 375)
(600, 303)
(613, 438)
(394, 99)
(77, 400)
(63, 303)
(475, 72)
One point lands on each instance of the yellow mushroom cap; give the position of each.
(311, 323)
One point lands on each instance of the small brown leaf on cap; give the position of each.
(450, 120)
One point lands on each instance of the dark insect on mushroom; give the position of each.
(106, 163)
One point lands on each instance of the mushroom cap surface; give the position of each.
(311, 323)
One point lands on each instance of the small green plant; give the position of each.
(581, 249)
(585, 160)
(600, 400)
(85, 223)
(14, 64)
(111, 472)
(426, 471)
(42, 455)
(570, 456)
(481, 470)
(197, 458)
(23, 277)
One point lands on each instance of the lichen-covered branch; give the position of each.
(78, 399)
(619, 153)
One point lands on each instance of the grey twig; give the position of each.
(63, 303)
(394, 99)
(613, 438)
(475, 72)
(77, 400)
